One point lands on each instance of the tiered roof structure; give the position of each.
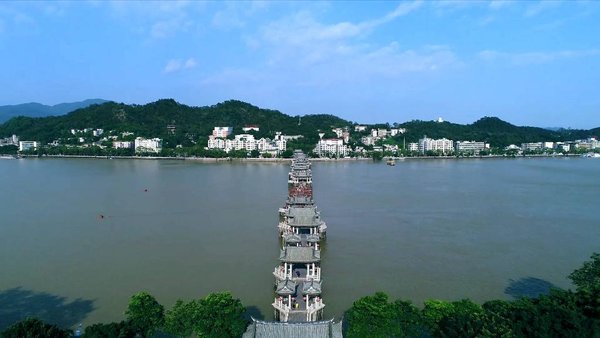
(298, 305)
(298, 276)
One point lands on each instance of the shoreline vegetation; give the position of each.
(555, 313)
(285, 160)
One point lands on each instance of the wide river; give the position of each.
(445, 229)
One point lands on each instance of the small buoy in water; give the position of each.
(101, 216)
(145, 190)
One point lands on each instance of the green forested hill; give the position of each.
(196, 123)
(492, 130)
(151, 120)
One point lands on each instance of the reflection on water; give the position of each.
(422, 229)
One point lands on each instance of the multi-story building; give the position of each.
(28, 145)
(122, 144)
(9, 141)
(250, 128)
(531, 146)
(360, 128)
(382, 133)
(338, 132)
(394, 132)
(333, 146)
(444, 145)
(470, 147)
(249, 143)
(413, 146)
(143, 145)
(222, 131)
(368, 140)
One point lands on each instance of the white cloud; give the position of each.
(498, 4)
(158, 20)
(540, 7)
(175, 65)
(299, 50)
(528, 58)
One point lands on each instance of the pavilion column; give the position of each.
(307, 270)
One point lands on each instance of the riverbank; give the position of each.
(281, 160)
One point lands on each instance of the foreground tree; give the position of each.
(181, 318)
(118, 330)
(219, 316)
(374, 316)
(145, 314)
(33, 327)
(587, 277)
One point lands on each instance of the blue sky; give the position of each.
(529, 63)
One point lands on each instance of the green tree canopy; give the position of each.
(145, 314)
(33, 327)
(219, 316)
(587, 277)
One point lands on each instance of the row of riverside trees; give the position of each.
(561, 313)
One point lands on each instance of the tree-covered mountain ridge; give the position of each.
(196, 123)
(34, 109)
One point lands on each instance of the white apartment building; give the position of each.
(360, 128)
(338, 132)
(248, 142)
(98, 132)
(444, 145)
(413, 146)
(143, 145)
(242, 141)
(27, 145)
(13, 140)
(222, 131)
(368, 140)
(382, 133)
(250, 128)
(331, 147)
(122, 144)
(473, 147)
(531, 146)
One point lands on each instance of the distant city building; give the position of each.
(531, 146)
(368, 140)
(250, 128)
(382, 133)
(413, 146)
(374, 132)
(98, 132)
(444, 145)
(331, 147)
(10, 141)
(548, 145)
(360, 128)
(396, 131)
(123, 144)
(222, 131)
(439, 120)
(28, 145)
(248, 142)
(512, 147)
(243, 141)
(291, 137)
(471, 147)
(143, 145)
(338, 132)
(346, 136)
